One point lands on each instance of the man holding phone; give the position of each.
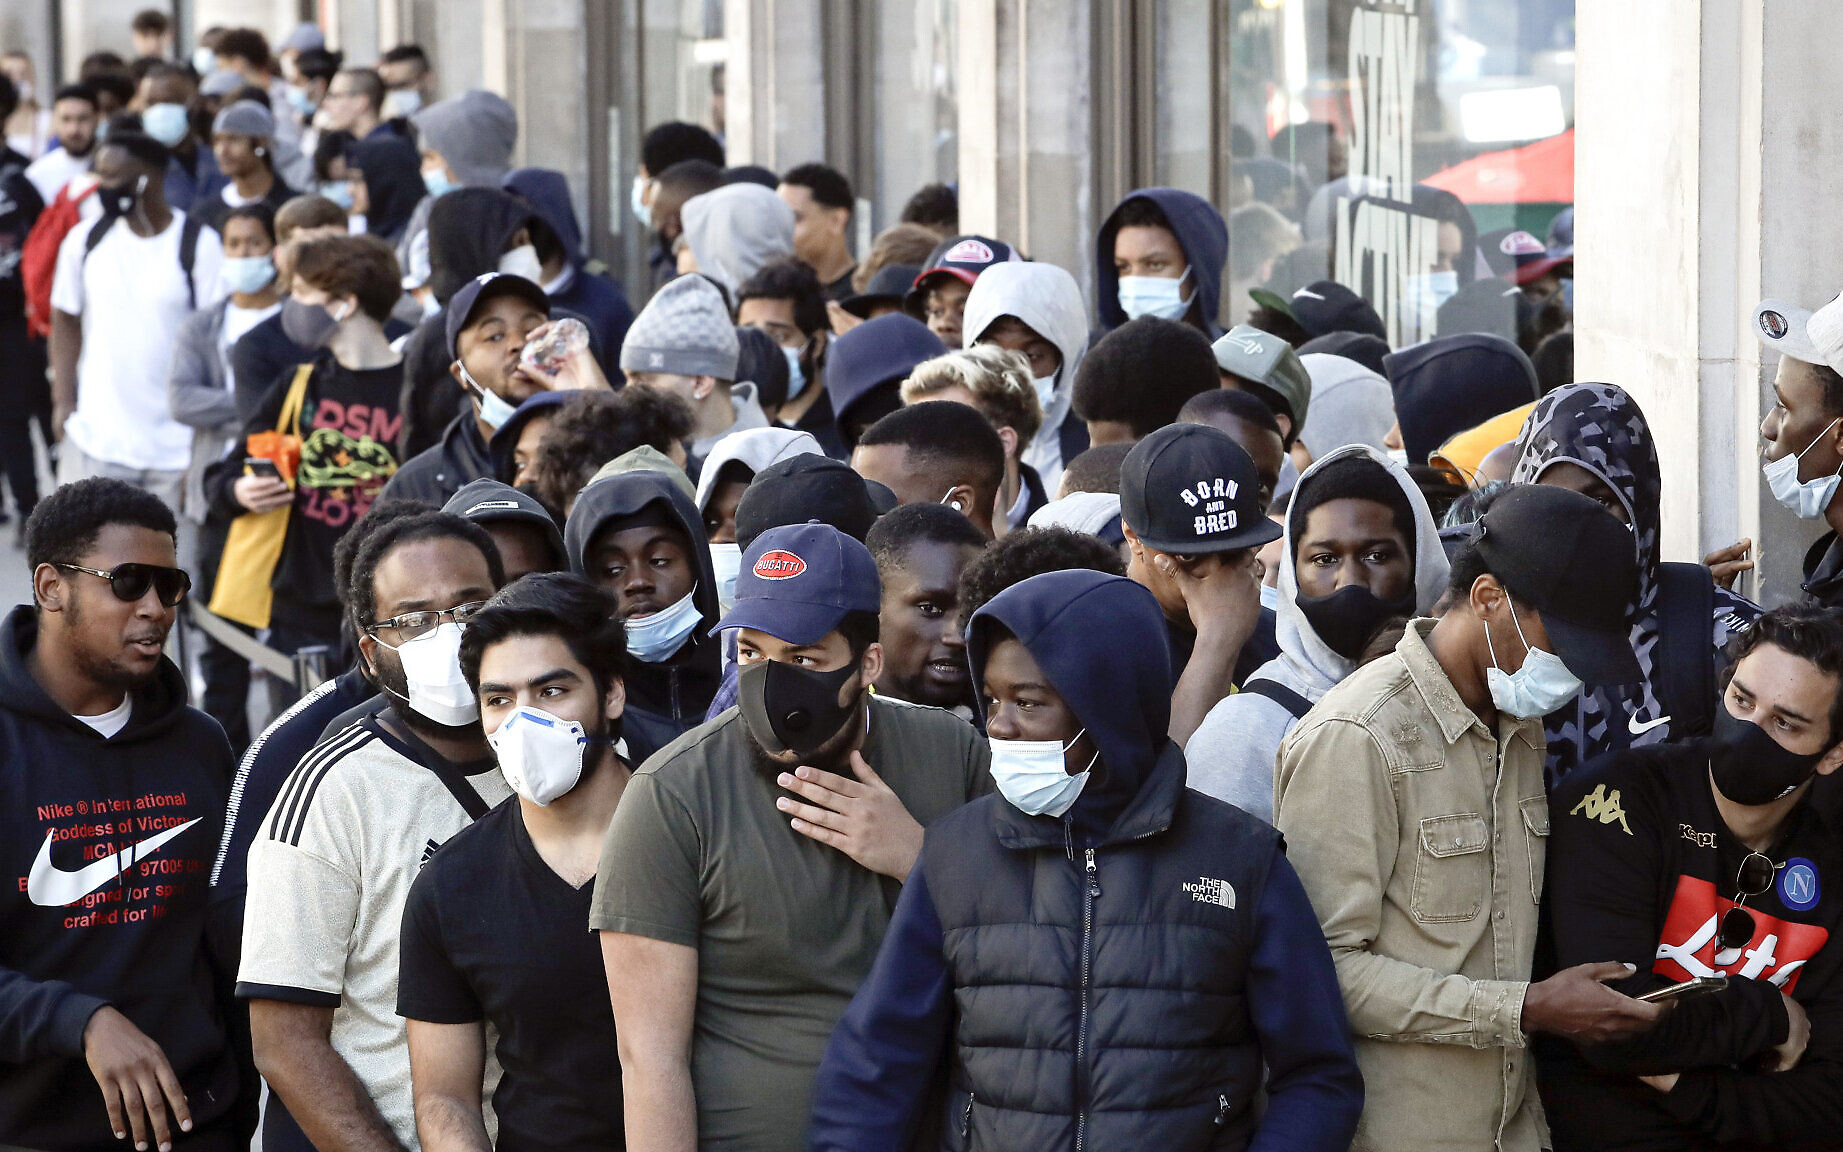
(1708, 859)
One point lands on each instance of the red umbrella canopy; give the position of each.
(1539, 173)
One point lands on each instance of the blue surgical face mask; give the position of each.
(1031, 774)
(796, 374)
(1046, 389)
(727, 560)
(401, 102)
(1159, 296)
(1424, 294)
(248, 273)
(635, 201)
(651, 639)
(301, 102)
(338, 191)
(437, 182)
(1567, 292)
(494, 409)
(204, 61)
(1538, 688)
(166, 123)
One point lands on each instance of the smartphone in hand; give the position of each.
(1700, 986)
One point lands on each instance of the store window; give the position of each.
(914, 135)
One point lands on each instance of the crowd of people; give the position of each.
(862, 701)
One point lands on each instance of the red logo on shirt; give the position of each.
(779, 565)
(1777, 952)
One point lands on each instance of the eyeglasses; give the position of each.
(415, 625)
(1754, 878)
(130, 582)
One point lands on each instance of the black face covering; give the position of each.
(117, 201)
(1346, 619)
(1751, 767)
(793, 709)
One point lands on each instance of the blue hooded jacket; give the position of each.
(598, 300)
(1200, 231)
(1180, 1021)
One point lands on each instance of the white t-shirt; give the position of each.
(329, 872)
(237, 321)
(114, 720)
(131, 293)
(50, 172)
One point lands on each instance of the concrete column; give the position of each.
(774, 86)
(1703, 182)
(93, 25)
(546, 70)
(1022, 73)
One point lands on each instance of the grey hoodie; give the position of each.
(1232, 753)
(475, 133)
(756, 448)
(735, 229)
(1350, 404)
(1046, 298)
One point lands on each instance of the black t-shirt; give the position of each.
(492, 933)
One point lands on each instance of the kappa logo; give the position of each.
(1699, 839)
(969, 252)
(1603, 806)
(1774, 324)
(779, 564)
(1205, 890)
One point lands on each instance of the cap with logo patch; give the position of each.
(1517, 256)
(487, 501)
(1269, 361)
(1814, 337)
(489, 286)
(1566, 556)
(798, 581)
(962, 257)
(1190, 489)
(1325, 306)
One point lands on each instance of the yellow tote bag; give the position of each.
(244, 591)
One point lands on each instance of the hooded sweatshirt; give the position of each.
(1600, 428)
(597, 299)
(1007, 919)
(1350, 404)
(1201, 233)
(1447, 385)
(1047, 299)
(393, 183)
(1232, 753)
(755, 449)
(84, 927)
(475, 133)
(667, 698)
(487, 501)
(735, 229)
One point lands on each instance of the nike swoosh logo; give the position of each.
(49, 886)
(1635, 728)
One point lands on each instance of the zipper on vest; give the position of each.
(966, 1122)
(1090, 894)
(1222, 1109)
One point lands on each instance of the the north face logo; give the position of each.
(1205, 890)
(779, 564)
(968, 252)
(1603, 806)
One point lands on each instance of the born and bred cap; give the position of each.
(1569, 558)
(488, 286)
(798, 581)
(1269, 361)
(802, 488)
(1814, 337)
(1190, 489)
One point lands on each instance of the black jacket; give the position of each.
(81, 931)
(1640, 869)
(438, 472)
(1824, 571)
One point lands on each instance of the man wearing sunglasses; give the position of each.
(112, 791)
(1713, 858)
(331, 865)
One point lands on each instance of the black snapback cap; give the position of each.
(1191, 489)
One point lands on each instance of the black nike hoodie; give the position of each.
(84, 925)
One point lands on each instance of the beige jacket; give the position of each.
(1420, 838)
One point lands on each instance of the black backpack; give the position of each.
(188, 249)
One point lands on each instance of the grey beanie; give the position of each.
(474, 132)
(685, 330)
(245, 118)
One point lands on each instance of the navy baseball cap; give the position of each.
(487, 286)
(799, 580)
(962, 257)
(1190, 489)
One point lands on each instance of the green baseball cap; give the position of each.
(1268, 361)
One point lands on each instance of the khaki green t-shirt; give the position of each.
(785, 927)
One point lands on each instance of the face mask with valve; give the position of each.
(1539, 687)
(651, 639)
(791, 709)
(1032, 775)
(120, 201)
(541, 755)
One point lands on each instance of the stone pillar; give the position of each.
(1703, 182)
(1026, 173)
(774, 84)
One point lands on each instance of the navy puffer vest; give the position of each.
(1100, 993)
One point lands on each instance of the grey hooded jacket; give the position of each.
(1232, 753)
(1047, 299)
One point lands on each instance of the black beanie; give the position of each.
(1142, 372)
(1350, 478)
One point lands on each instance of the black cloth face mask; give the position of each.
(791, 709)
(1346, 619)
(1752, 768)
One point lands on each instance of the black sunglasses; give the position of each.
(130, 582)
(1754, 878)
